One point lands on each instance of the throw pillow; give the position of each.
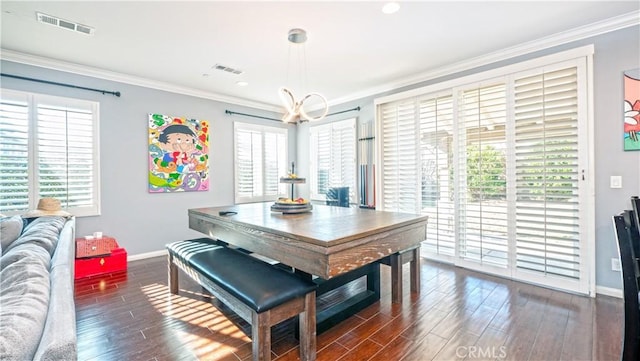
(10, 230)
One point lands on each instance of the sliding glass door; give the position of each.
(499, 166)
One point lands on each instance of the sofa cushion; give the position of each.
(24, 300)
(42, 231)
(59, 341)
(10, 230)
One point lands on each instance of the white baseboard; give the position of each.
(139, 256)
(608, 291)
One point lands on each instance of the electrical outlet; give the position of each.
(615, 265)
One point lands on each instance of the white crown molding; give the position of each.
(587, 31)
(605, 26)
(29, 59)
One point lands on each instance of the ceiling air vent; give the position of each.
(227, 69)
(69, 25)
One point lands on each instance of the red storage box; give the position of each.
(95, 247)
(116, 261)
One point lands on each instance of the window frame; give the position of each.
(262, 129)
(33, 100)
(314, 194)
(582, 58)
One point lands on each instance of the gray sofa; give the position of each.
(37, 310)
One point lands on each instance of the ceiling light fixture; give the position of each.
(295, 110)
(391, 7)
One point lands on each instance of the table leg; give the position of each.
(172, 273)
(414, 269)
(395, 262)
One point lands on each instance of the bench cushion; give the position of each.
(255, 283)
(184, 250)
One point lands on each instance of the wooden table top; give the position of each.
(324, 225)
(326, 242)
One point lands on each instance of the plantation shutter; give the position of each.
(500, 165)
(547, 173)
(333, 162)
(482, 178)
(260, 161)
(399, 157)
(437, 192)
(48, 148)
(248, 163)
(275, 158)
(14, 154)
(65, 154)
(320, 162)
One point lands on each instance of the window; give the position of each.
(547, 172)
(436, 161)
(498, 164)
(48, 148)
(333, 158)
(481, 169)
(260, 161)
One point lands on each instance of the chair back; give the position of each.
(625, 225)
(635, 223)
(338, 196)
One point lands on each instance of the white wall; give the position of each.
(144, 222)
(615, 52)
(141, 221)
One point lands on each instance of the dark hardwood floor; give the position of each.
(459, 314)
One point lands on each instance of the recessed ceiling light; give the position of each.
(391, 7)
(242, 83)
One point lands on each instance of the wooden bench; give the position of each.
(261, 294)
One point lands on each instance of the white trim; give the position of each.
(282, 165)
(601, 290)
(33, 101)
(580, 58)
(567, 55)
(315, 131)
(609, 291)
(146, 255)
(590, 195)
(23, 58)
(605, 26)
(594, 29)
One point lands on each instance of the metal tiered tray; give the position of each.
(289, 205)
(290, 208)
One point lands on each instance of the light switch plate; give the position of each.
(615, 265)
(616, 181)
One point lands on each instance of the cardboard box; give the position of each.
(114, 262)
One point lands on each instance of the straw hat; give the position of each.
(47, 207)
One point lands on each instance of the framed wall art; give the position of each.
(632, 109)
(178, 154)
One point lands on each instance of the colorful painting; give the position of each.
(631, 109)
(178, 154)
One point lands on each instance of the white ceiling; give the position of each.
(353, 49)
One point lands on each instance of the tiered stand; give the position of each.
(287, 207)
